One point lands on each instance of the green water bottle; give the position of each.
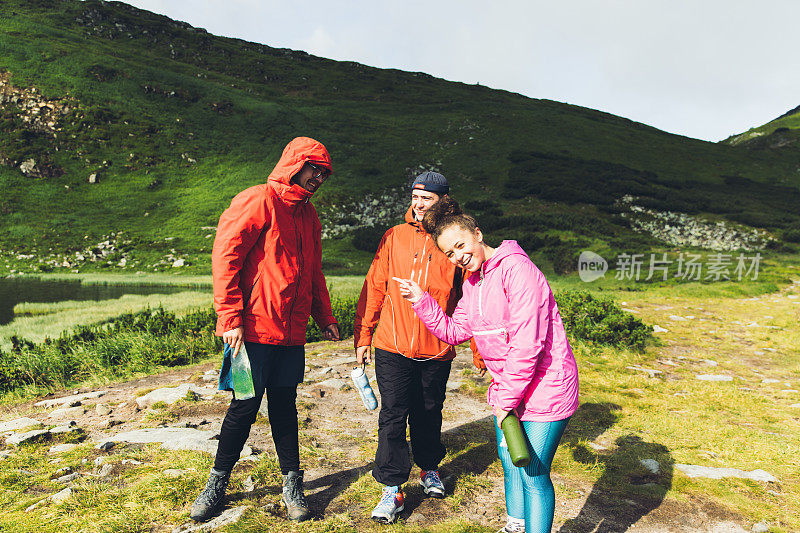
(515, 440)
(241, 375)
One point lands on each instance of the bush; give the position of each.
(368, 238)
(792, 235)
(344, 309)
(601, 320)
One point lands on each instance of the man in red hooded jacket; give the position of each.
(267, 273)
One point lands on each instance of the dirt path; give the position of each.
(339, 436)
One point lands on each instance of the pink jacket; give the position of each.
(510, 311)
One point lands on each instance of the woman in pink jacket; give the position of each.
(509, 309)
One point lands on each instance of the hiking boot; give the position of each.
(211, 497)
(293, 498)
(431, 483)
(391, 504)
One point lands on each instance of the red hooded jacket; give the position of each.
(267, 258)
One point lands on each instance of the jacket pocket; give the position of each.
(492, 342)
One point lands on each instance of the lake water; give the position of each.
(18, 290)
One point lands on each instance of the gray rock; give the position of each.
(173, 473)
(659, 329)
(18, 423)
(451, 386)
(334, 383)
(228, 517)
(649, 371)
(770, 380)
(727, 527)
(60, 448)
(760, 527)
(102, 409)
(36, 435)
(69, 400)
(69, 477)
(67, 412)
(105, 470)
(713, 377)
(61, 496)
(105, 446)
(346, 360)
(72, 427)
(719, 473)
(416, 518)
(170, 395)
(710, 362)
(319, 374)
(651, 465)
(175, 439)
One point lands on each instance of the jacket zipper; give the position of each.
(480, 293)
(299, 239)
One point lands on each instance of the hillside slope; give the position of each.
(114, 119)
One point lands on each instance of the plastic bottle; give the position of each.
(241, 375)
(364, 389)
(516, 441)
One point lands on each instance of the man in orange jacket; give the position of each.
(411, 365)
(267, 273)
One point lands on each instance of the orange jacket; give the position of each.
(267, 258)
(406, 251)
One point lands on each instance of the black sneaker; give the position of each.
(210, 499)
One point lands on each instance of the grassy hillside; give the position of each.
(171, 122)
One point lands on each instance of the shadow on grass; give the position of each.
(627, 490)
(471, 449)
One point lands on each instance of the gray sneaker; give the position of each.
(211, 497)
(293, 497)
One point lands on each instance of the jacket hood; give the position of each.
(298, 152)
(411, 220)
(506, 249)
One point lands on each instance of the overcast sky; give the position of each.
(701, 68)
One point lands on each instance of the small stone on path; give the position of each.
(334, 383)
(649, 371)
(67, 412)
(60, 448)
(651, 465)
(714, 377)
(228, 517)
(719, 473)
(659, 329)
(70, 400)
(102, 409)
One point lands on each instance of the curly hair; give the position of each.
(444, 214)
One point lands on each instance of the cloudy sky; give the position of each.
(701, 68)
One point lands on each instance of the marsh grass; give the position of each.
(38, 321)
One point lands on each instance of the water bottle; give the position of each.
(361, 382)
(241, 375)
(515, 440)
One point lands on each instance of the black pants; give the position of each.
(412, 390)
(241, 414)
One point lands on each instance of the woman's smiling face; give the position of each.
(462, 247)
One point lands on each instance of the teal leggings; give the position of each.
(529, 491)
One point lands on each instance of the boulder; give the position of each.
(18, 423)
(170, 395)
(36, 435)
(174, 439)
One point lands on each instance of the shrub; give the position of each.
(601, 320)
(792, 235)
(368, 238)
(344, 309)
